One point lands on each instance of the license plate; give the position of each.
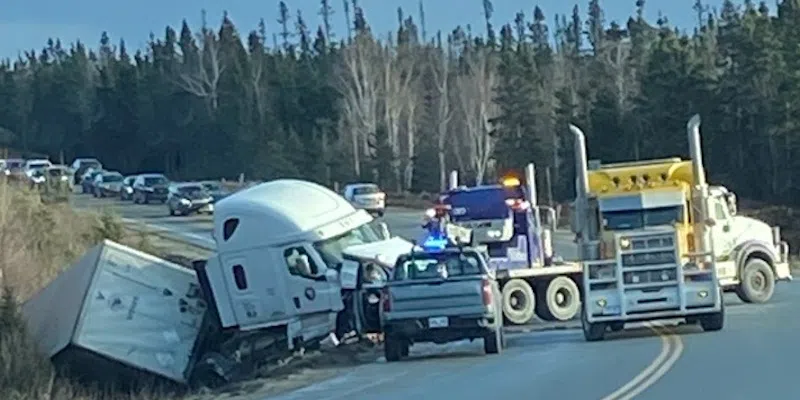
(438, 322)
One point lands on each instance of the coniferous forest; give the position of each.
(293, 100)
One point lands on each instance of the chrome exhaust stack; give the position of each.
(453, 179)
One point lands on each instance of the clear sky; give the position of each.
(26, 24)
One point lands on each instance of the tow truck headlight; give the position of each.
(624, 243)
(494, 234)
(601, 303)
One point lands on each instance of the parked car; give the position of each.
(367, 196)
(87, 180)
(36, 164)
(126, 192)
(80, 165)
(108, 183)
(188, 198)
(216, 190)
(13, 168)
(148, 187)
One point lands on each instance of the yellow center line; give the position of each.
(671, 350)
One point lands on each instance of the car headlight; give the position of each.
(185, 202)
(494, 234)
(129, 190)
(624, 243)
(64, 177)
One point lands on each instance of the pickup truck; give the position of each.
(441, 296)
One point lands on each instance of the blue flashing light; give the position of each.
(434, 243)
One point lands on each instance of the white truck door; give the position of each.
(722, 235)
(308, 290)
(254, 292)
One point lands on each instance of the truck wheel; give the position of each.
(519, 302)
(493, 342)
(561, 301)
(592, 332)
(715, 321)
(757, 282)
(393, 348)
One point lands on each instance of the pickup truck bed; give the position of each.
(441, 310)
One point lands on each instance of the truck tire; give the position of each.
(715, 321)
(519, 302)
(757, 282)
(493, 342)
(394, 347)
(592, 332)
(560, 301)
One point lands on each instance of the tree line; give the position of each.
(403, 111)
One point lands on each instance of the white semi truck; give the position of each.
(294, 262)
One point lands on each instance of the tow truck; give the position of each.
(516, 232)
(646, 240)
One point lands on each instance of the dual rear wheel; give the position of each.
(555, 300)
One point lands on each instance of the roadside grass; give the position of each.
(37, 241)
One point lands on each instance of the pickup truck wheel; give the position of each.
(757, 282)
(519, 302)
(493, 342)
(592, 332)
(393, 348)
(560, 301)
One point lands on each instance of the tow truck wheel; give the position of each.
(560, 301)
(519, 302)
(757, 282)
(592, 332)
(394, 347)
(715, 321)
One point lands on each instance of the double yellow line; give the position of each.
(671, 350)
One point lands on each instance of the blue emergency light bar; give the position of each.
(434, 243)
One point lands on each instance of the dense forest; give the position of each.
(301, 102)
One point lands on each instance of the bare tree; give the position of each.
(202, 79)
(358, 80)
(440, 71)
(399, 72)
(475, 97)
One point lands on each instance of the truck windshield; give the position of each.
(637, 219)
(331, 249)
(442, 265)
(483, 203)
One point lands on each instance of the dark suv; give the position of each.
(150, 187)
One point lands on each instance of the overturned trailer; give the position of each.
(117, 312)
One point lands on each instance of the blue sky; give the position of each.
(26, 24)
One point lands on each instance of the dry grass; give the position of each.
(36, 241)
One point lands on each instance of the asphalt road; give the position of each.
(754, 357)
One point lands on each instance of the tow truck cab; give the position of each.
(275, 283)
(503, 221)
